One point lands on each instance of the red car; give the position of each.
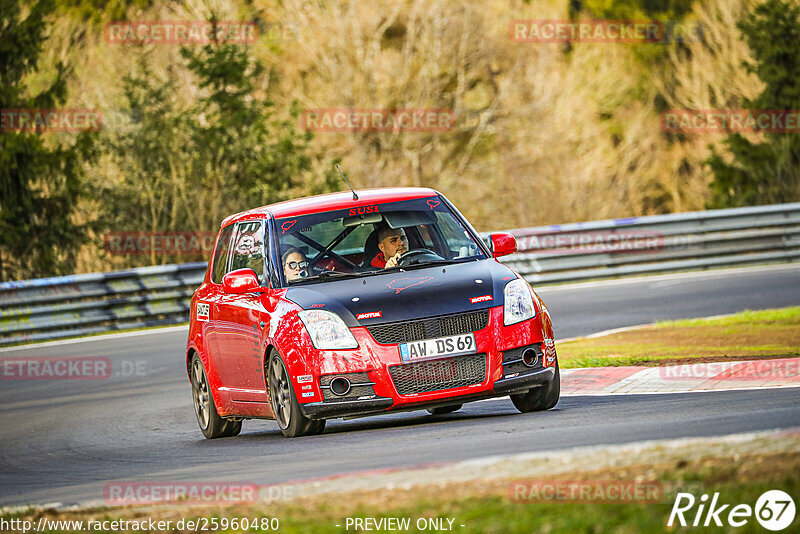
(345, 305)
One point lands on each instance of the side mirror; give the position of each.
(503, 244)
(241, 281)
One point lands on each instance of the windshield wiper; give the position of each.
(426, 264)
(324, 275)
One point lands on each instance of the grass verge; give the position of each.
(743, 336)
(498, 506)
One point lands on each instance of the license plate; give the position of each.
(441, 346)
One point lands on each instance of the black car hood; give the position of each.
(405, 295)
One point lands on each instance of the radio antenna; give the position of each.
(355, 197)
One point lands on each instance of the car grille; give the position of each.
(360, 386)
(431, 327)
(422, 377)
(512, 360)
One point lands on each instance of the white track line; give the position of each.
(661, 277)
(102, 337)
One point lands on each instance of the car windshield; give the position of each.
(367, 240)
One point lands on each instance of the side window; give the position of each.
(248, 251)
(221, 254)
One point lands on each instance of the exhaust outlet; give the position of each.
(340, 386)
(530, 358)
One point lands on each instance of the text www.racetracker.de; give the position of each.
(196, 524)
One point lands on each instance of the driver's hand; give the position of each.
(392, 262)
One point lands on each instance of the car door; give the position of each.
(241, 319)
(208, 303)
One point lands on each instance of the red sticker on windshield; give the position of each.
(288, 224)
(363, 210)
(433, 203)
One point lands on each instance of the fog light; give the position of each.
(530, 358)
(340, 386)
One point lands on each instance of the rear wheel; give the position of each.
(211, 424)
(441, 410)
(539, 398)
(287, 412)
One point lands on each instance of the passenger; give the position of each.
(295, 264)
(392, 243)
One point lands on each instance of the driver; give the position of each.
(295, 264)
(392, 242)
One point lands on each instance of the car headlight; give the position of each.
(517, 302)
(327, 330)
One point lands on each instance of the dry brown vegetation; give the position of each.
(544, 134)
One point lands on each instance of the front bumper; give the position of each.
(359, 408)
(373, 363)
(519, 384)
(331, 410)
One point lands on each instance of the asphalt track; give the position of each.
(63, 441)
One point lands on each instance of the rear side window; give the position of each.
(249, 249)
(221, 254)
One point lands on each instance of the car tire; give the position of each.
(292, 422)
(211, 424)
(317, 426)
(539, 398)
(441, 410)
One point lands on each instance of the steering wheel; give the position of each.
(408, 255)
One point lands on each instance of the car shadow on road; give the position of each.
(405, 420)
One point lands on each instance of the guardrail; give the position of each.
(658, 244)
(51, 308)
(65, 306)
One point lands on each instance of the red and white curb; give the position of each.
(716, 376)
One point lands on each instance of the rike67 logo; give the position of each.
(774, 510)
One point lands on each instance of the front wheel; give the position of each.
(287, 412)
(211, 424)
(540, 398)
(317, 426)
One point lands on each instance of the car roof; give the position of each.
(331, 201)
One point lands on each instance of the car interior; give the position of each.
(348, 244)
